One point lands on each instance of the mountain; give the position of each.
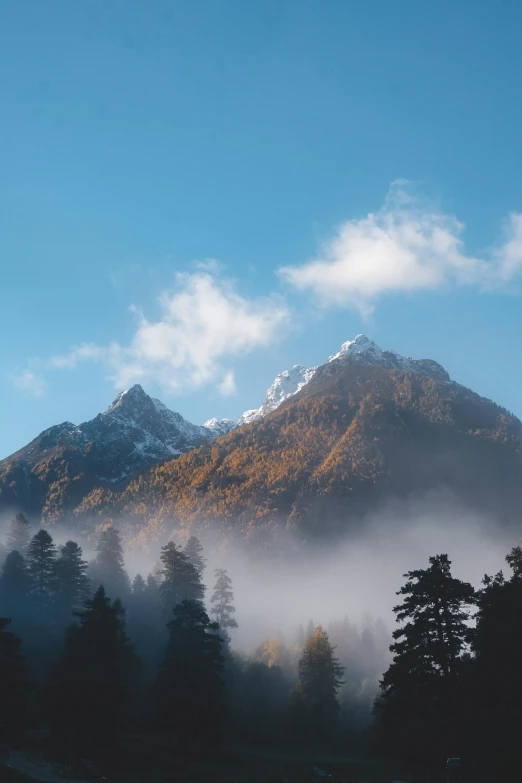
(328, 445)
(291, 381)
(367, 427)
(64, 463)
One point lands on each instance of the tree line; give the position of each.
(87, 653)
(454, 687)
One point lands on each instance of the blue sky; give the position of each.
(198, 195)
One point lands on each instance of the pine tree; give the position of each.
(180, 579)
(320, 677)
(222, 608)
(144, 621)
(95, 674)
(14, 586)
(109, 567)
(495, 713)
(139, 586)
(41, 564)
(14, 684)
(19, 535)
(190, 677)
(72, 583)
(194, 551)
(420, 691)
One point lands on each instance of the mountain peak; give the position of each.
(130, 397)
(361, 348)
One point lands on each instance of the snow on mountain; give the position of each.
(367, 351)
(285, 385)
(137, 430)
(288, 383)
(220, 426)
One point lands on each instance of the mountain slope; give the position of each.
(366, 427)
(57, 469)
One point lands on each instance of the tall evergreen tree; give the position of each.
(13, 684)
(109, 567)
(496, 696)
(180, 580)
(320, 677)
(41, 564)
(72, 583)
(14, 586)
(194, 551)
(19, 534)
(420, 690)
(95, 675)
(144, 621)
(222, 609)
(139, 586)
(190, 677)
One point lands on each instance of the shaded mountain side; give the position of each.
(52, 474)
(355, 435)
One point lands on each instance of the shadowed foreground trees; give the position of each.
(189, 687)
(496, 706)
(420, 710)
(13, 685)
(95, 675)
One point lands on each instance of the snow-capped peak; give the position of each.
(364, 349)
(285, 385)
(132, 396)
(360, 344)
(289, 382)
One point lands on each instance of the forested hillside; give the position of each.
(354, 436)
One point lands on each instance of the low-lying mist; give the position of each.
(275, 592)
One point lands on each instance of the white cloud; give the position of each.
(406, 246)
(227, 387)
(203, 322)
(28, 381)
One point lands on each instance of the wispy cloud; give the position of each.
(204, 322)
(227, 387)
(27, 381)
(406, 246)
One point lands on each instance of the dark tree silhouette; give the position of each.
(194, 551)
(139, 586)
(41, 565)
(419, 704)
(14, 685)
(320, 677)
(189, 685)
(14, 586)
(108, 568)
(496, 699)
(19, 534)
(95, 675)
(222, 609)
(72, 583)
(180, 580)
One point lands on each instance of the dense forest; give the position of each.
(88, 655)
